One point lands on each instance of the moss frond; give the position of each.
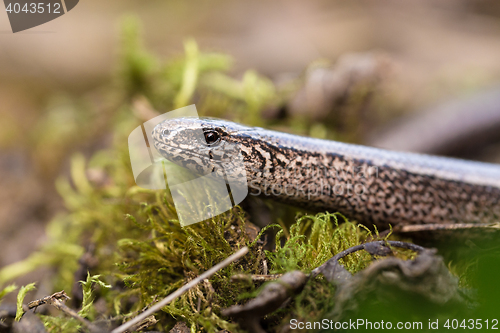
(20, 299)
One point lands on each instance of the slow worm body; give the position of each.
(372, 186)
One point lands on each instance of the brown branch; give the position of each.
(60, 295)
(145, 323)
(57, 300)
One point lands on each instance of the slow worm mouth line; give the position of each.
(192, 153)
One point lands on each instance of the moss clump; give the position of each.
(313, 239)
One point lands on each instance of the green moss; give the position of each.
(7, 290)
(20, 299)
(88, 310)
(314, 239)
(60, 324)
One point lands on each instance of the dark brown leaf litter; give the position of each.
(7, 315)
(337, 274)
(423, 280)
(180, 327)
(29, 323)
(426, 280)
(273, 296)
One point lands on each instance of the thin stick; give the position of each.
(58, 304)
(60, 295)
(255, 277)
(448, 226)
(182, 290)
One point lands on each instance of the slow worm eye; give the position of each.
(211, 137)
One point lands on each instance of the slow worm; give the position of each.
(370, 185)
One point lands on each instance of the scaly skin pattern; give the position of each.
(372, 186)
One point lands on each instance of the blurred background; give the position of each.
(341, 70)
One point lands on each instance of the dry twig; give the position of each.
(57, 300)
(157, 307)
